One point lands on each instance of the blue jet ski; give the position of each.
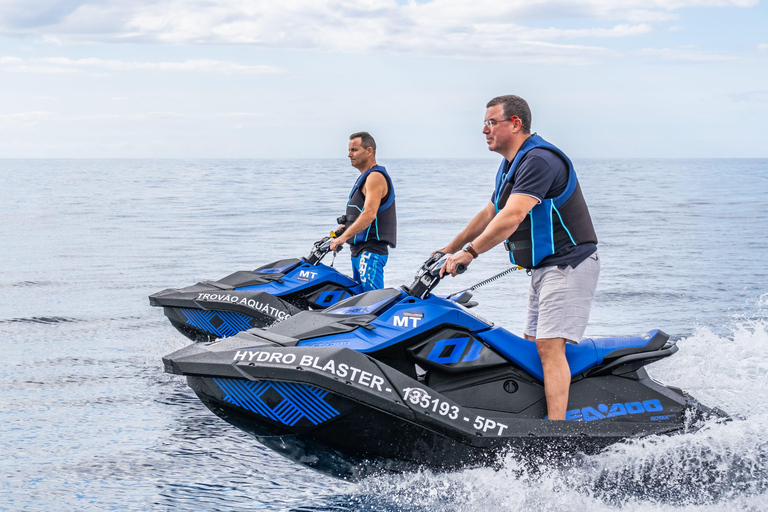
(396, 379)
(246, 299)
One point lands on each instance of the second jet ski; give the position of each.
(397, 379)
(258, 298)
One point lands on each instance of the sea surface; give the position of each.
(89, 421)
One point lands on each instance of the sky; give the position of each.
(293, 78)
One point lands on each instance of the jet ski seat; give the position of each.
(581, 356)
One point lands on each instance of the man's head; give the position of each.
(507, 124)
(514, 106)
(362, 151)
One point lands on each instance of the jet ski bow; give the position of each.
(247, 299)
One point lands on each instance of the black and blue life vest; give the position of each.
(384, 226)
(550, 225)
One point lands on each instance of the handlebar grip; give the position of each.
(461, 268)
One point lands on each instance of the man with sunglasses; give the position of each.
(370, 218)
(538, 211)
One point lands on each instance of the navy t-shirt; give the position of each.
(544, 175)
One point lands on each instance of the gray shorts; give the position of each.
(559, 300)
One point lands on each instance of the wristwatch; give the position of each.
(471, 251)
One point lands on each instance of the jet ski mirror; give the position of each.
(428, 275)
(322, 247)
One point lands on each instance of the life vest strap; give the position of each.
(524, 244)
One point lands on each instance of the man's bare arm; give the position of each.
(505, 223)
(499, 229)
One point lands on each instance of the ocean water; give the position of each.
(89, 421)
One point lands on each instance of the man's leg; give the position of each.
(557, 376)
(368, 269)
(356, 268)
(559, 304)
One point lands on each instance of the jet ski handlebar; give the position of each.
(322, 247)
(428, 275)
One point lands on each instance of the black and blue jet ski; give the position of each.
(396, 379)
(246, 299)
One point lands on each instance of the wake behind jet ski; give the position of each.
(396, 379)
(247, 299)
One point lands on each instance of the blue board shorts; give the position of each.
(368, 270)
(559, 300)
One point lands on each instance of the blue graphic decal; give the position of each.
(456, 345)
(274, 270)
(220, 323)
(330, 298)
(474, 352)
(603, 411)
(360, 310)
(284, 402)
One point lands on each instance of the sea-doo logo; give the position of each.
(306, 275)
(402, 321)
(603, 411)
(242, 301)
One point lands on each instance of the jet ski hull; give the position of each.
(394, 379)
(348, 415)
(203, 313)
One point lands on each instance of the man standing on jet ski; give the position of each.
(538, 211)
(370, 218)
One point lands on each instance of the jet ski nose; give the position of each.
(170, 367)
(170, 362)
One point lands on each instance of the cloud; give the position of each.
(762, 47)
(238, 114)
(508, 30)
(66, 65)
(32, 118)
(24, 119)
(686, 54)
(751, 97)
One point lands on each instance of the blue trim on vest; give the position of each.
(542, 230)
(361, 179)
